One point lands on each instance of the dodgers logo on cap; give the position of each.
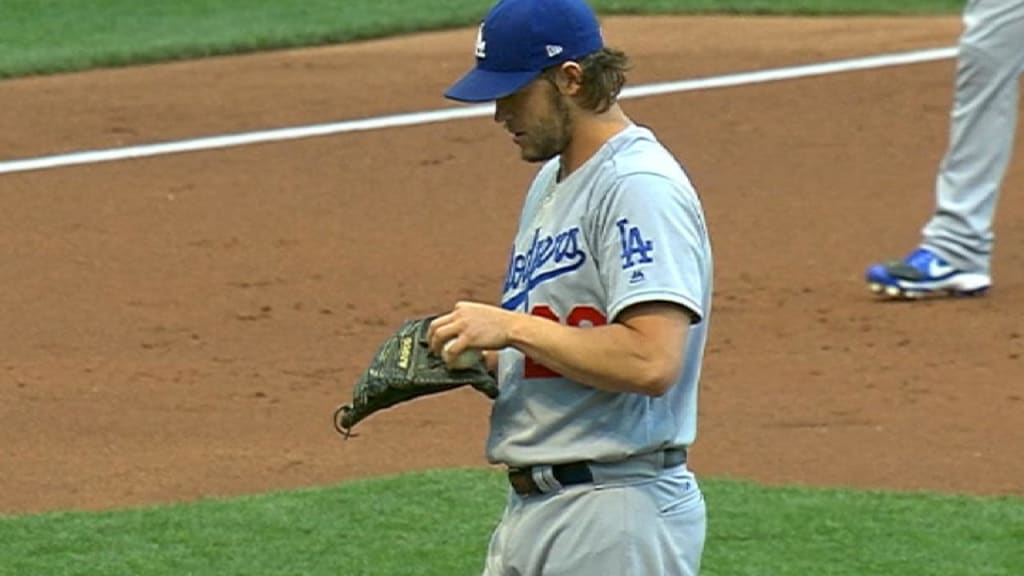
(481, 44)
(519, 39)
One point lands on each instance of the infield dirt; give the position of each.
(183, 326)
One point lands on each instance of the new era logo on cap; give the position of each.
(519, 39)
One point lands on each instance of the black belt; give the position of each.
(572, 473)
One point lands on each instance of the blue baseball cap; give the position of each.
(519, 39)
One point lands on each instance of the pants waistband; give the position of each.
(544, 479)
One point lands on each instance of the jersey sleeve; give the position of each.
(651, 244)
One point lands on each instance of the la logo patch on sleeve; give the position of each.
(636, 249)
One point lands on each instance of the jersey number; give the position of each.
(578, 316)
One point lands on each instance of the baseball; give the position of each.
(468, 358)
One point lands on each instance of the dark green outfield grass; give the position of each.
(438, 523)
(45, 36)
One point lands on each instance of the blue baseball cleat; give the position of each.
(922, 274)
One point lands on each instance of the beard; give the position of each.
(550, 136)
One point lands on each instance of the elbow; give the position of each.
(659, 378)
(657, 389)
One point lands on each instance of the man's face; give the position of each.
(539, 119)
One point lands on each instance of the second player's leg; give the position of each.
(983, 120)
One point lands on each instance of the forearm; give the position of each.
(613, 357)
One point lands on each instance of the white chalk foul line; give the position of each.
(447, 114)
(776, 74)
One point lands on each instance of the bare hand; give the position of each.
(470, 325)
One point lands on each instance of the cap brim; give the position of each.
(479, 85)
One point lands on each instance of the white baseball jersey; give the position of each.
(626, 227)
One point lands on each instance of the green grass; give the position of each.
(47, 36)
(438, 524)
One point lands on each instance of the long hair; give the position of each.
(604, 74)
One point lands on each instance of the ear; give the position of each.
(569, 78)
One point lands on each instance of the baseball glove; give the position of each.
(404, 368)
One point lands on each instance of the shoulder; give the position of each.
(637, 152)
(640, 166)
(640, 152)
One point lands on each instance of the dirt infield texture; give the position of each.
(182, 326)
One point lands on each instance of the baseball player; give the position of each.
(599, 338)
(955, 254)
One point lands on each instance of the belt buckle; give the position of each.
(522, 482)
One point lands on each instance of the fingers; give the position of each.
(452, 348)
(441, 330)
(468, 325)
